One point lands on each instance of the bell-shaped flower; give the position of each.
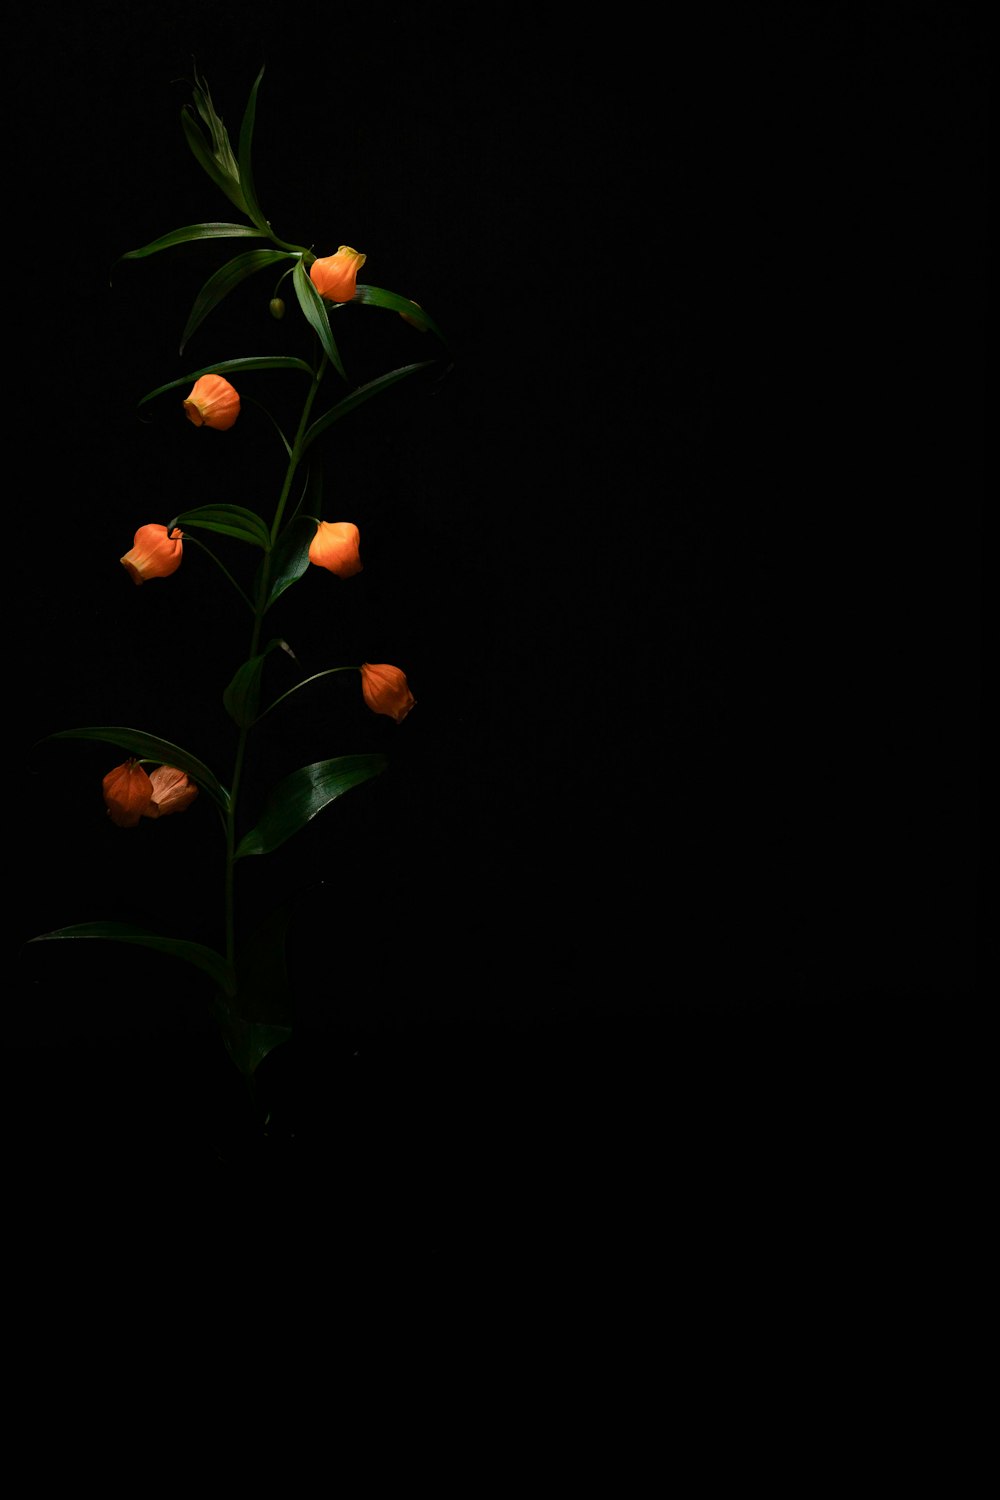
(172, 792)
(154, 554)
(128, 793)
(336, 547)
(335, 276)
(213, 402)
(386, 691)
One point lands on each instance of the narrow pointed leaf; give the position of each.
(211, 963)
(316, 315)
(242, 697)
(229, 520)
(358, 398)
(290, 558)
(248, 1042)
(150, 747)
(376, 296)
(222, 178)
(246, 144)
(232, 367)
(224, 280)
(303, 794)
(210, 231)
(215, 154)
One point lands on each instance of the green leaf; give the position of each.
(303, 794)
(248, 1042)
(209, 231)
(246, 143)
(358, 397)
(224, 280)
(242, 696)
(229, 520)
(313, 306)
(216, 154)
(233, 367)
(376, 296)
(211, 963)
(150, 747)
(290, 557)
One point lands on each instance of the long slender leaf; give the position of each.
(211, 963)
(150, 747)
(229, 520)
(376, 296)
(242, 697)
(208, 231)
(303, 794)
(216, 158)
(246, 143)
(232, 367)
(316, 315)
(223, 281)
(290, 557)
(206, 160)
(357, 398)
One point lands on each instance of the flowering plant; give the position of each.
(158, 778)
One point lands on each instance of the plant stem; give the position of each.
(260, 609)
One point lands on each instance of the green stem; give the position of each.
(259, 608)
(330, 671)
(221, 566)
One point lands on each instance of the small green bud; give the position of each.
(276, 308)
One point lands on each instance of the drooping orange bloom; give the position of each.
(172, 790)
(212, 403)
(336, 547)
(131, 794)
(386, 691)
(153, 554)
(128, 793)
(335, 276)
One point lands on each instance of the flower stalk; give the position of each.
(287, 550)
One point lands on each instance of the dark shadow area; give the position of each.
(677, 858)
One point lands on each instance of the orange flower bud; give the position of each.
(335, 547)
(212, 403)
(172, 792)
(128, 792)
(386, 691)
(154, 554)
(335, 276)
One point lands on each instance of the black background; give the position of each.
(681, 557)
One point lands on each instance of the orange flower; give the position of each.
(128, 792)
(335, 547)
(154, 554)
(335, 276)
(172, 792)
(386, 691)
(212, 403)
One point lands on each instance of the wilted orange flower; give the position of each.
(386, 691)
(128, 792)
(172, 790)
(154, 554)
(336, 548)
(212, 403)
(335, 276)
